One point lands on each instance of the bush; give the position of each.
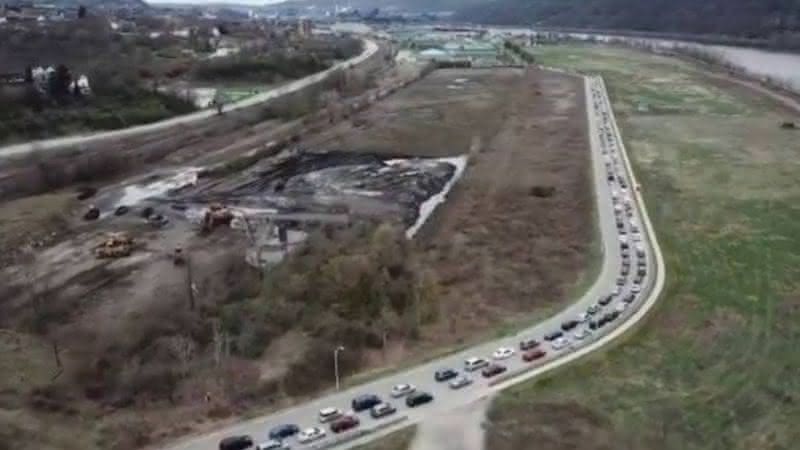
(267, 69)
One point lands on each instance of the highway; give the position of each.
(615, 219)
(370, 47)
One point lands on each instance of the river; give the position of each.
(781, 66)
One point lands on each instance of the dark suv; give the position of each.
(364, 402)
(418, 398)
(445, 374)
(528, 344)
(282, 432)
(236, 443)
(553, 336)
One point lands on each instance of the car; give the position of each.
(382, 410)
(569, 324)
(553, 335)
(621, 307)
(364, 402)
(282, 432)
(560, 343)
(617, 289)
(329, 414)
(460, 382)
(401, 390)
(503, 353)
(602, 321)
(593, 309)
(311, 434)
(533, 355)
(236, 443)
(605, 300)
(582, 334)
(612, 316)
(583, 317)
(272, 444)
(636, 288)
(528, 344)
(629, 298)
(418, 398)
(445, 374)
(344, 423)
(492, 370)
(473, 364)
(594, 324)
(626, 269)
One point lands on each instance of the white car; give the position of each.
(560, 343)
(329, 414)
(272, 444)
(401, 390)
(583, 317)
(616, 290)
(621, 307)
(582, 334)
(636, 288)
(473, 364)
(503, 353)
(310, 435)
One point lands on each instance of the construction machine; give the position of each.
(116, 245)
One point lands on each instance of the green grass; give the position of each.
(98, 112)
(715, 367)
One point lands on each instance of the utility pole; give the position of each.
(336, 364)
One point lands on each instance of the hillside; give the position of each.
(742, 18)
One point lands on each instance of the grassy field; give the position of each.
(398, 440)
(715, 367)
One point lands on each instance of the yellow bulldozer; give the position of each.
(116, 245)
(216, 215)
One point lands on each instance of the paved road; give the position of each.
(370, 47)
(608, 157)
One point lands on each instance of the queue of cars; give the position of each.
(606, 310)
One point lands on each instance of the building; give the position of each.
(304, 27)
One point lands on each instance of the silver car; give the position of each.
(460, 382)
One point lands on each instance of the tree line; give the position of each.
(776, 22)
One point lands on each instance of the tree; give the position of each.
(60, 81)
(81, 12)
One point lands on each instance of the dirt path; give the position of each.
(461, 429)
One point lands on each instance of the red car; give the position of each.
(492, 370)
(533, 355)
(344, 424)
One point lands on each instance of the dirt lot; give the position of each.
(503, 250)
(503, 254)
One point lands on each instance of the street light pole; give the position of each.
(336, 364)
